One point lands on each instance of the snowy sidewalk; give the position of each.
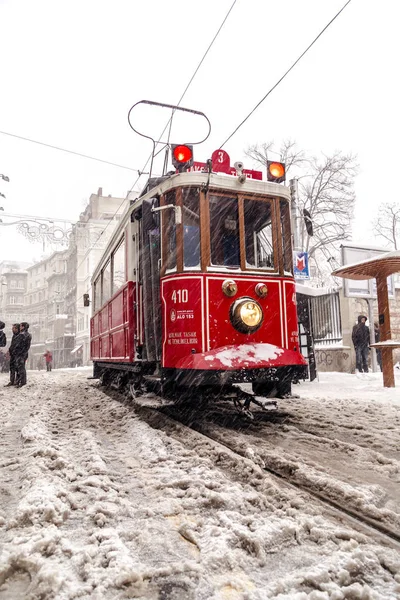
(96, 504)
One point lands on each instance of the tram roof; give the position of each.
(160, 185)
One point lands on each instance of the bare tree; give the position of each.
(387, 224)
(326, 191)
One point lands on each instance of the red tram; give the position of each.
(195, 290)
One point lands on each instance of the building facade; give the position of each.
(45, 309)
(13, 286)
(87, 243)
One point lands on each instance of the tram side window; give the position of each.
(258, 234)
(118, 268)
(170, 232)
(191, 228)
(106, 283)
(286, 237)
(97, 293)
(224, 231)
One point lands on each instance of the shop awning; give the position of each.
(76, 349)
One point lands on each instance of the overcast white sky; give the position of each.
(70, 71)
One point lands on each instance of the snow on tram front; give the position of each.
(195, 290)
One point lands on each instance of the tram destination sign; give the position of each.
(221, 163)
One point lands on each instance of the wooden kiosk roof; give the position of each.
(379, 268)
(385, 265)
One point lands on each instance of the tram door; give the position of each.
(305, 333)
(150, 278)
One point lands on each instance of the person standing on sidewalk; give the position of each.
(22, 355)
(13, 351)
(360, 337)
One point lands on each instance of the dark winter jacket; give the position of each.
(25, 343)
(16, 346)
(360, 335)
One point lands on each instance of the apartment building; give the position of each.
(13, 285)
(44, 310)
(87, 243)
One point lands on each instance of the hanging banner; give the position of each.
(300, 265)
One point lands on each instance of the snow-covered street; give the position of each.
(95, 503)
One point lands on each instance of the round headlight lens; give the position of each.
(250, 313)
(246, 315)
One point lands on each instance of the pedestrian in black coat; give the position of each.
(22, 355)
(361, 341)
(13, 351)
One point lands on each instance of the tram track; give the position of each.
(161, 419)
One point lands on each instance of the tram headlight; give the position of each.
(246, 315)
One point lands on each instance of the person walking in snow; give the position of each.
(48, 357)
(360, 337)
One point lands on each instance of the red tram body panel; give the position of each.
(196, 317)
(113, 327)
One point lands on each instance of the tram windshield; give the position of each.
(243, 232)
(224, 231)
(258, 234)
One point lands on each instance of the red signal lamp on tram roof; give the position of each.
(182, 156)
(276, 171)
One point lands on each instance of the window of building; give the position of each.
(118, 267)
(20, 284)
(13, 284)
(13, 300)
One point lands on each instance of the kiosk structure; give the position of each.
(379, 268)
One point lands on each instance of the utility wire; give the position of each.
(107, 162)
(200, 63)
(285, 74)
(189, 84)
(165, 128)
(122, 166)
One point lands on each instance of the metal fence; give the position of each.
(326, 321)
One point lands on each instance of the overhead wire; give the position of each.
(107, 162)
(285, 74)
(165, 128)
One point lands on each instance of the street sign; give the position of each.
(220, 161)
(300, 265)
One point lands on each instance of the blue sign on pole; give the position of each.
(300, 265)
